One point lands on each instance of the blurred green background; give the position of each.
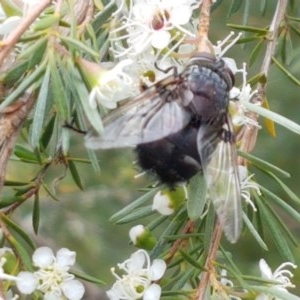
(80, 220)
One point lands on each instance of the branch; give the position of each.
(212, 253)
(248, 139)
(11, 121)
(14, 36)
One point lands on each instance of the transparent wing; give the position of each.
(154, 114)
(219, 162)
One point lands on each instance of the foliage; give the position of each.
(54, 82)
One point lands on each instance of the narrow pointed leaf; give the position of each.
(264, 165)
(22, 87)
(40, 110)
(255, 233)
(276, 231)
(75, 174)
(285, 71)
(196, 197)
(138, 202)
(136, 215)
(36, 213)
(281, 120)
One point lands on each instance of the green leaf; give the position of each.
(45, 22)
(94, 160)
(288, 191)
(281, 120)
(103, 17)
(275, 292)
(65, 140)
(9, 200)
(19, 248)
(49, 192)
(254, 232)
(264, 165)
(75, 174)
(25, 154)
(79, 46)
(87, 278)
(14, 183)
(136, 214)
(46, 137)
(25, 83)
(36, 213)
(81, 95)
(19, 231)
(59, 94)
(209, 227)
(133, 205)
(249, 29)
(285, 71)
(40, 111)
(295, 30)
(276, 230)
(255, 52)
(196, 197)
(190, 259)
(280, 202)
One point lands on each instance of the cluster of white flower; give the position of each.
(52, 277)
(138, 280)
(280, 277)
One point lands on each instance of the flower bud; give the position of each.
(167, 201)
(142, 237)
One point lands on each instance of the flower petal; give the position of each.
(157, 269)
(160, 39)
(27, 282)
(73, 289)
(43, 257)
(65, 257)
(265, 269)
(153, 292)
(137, 260)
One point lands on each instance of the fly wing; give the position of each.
(154, 114)
(219, 161)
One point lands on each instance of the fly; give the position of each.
(180, 126)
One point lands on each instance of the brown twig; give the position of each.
(204, 45)
(11, 121)
(211, 256)
(187, 229)
(8, 44)
(248, 139)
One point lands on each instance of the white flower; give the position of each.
(247, 184)
(152, 23)
(167, 201)
(137, 280)
(52, 277)
(162, 203)
(280, 275)
(142, 237)
(240, 96)
(135, 232)
(112, 86)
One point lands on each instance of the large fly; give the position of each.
(180, 126)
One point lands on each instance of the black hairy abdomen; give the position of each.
(174, 158)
